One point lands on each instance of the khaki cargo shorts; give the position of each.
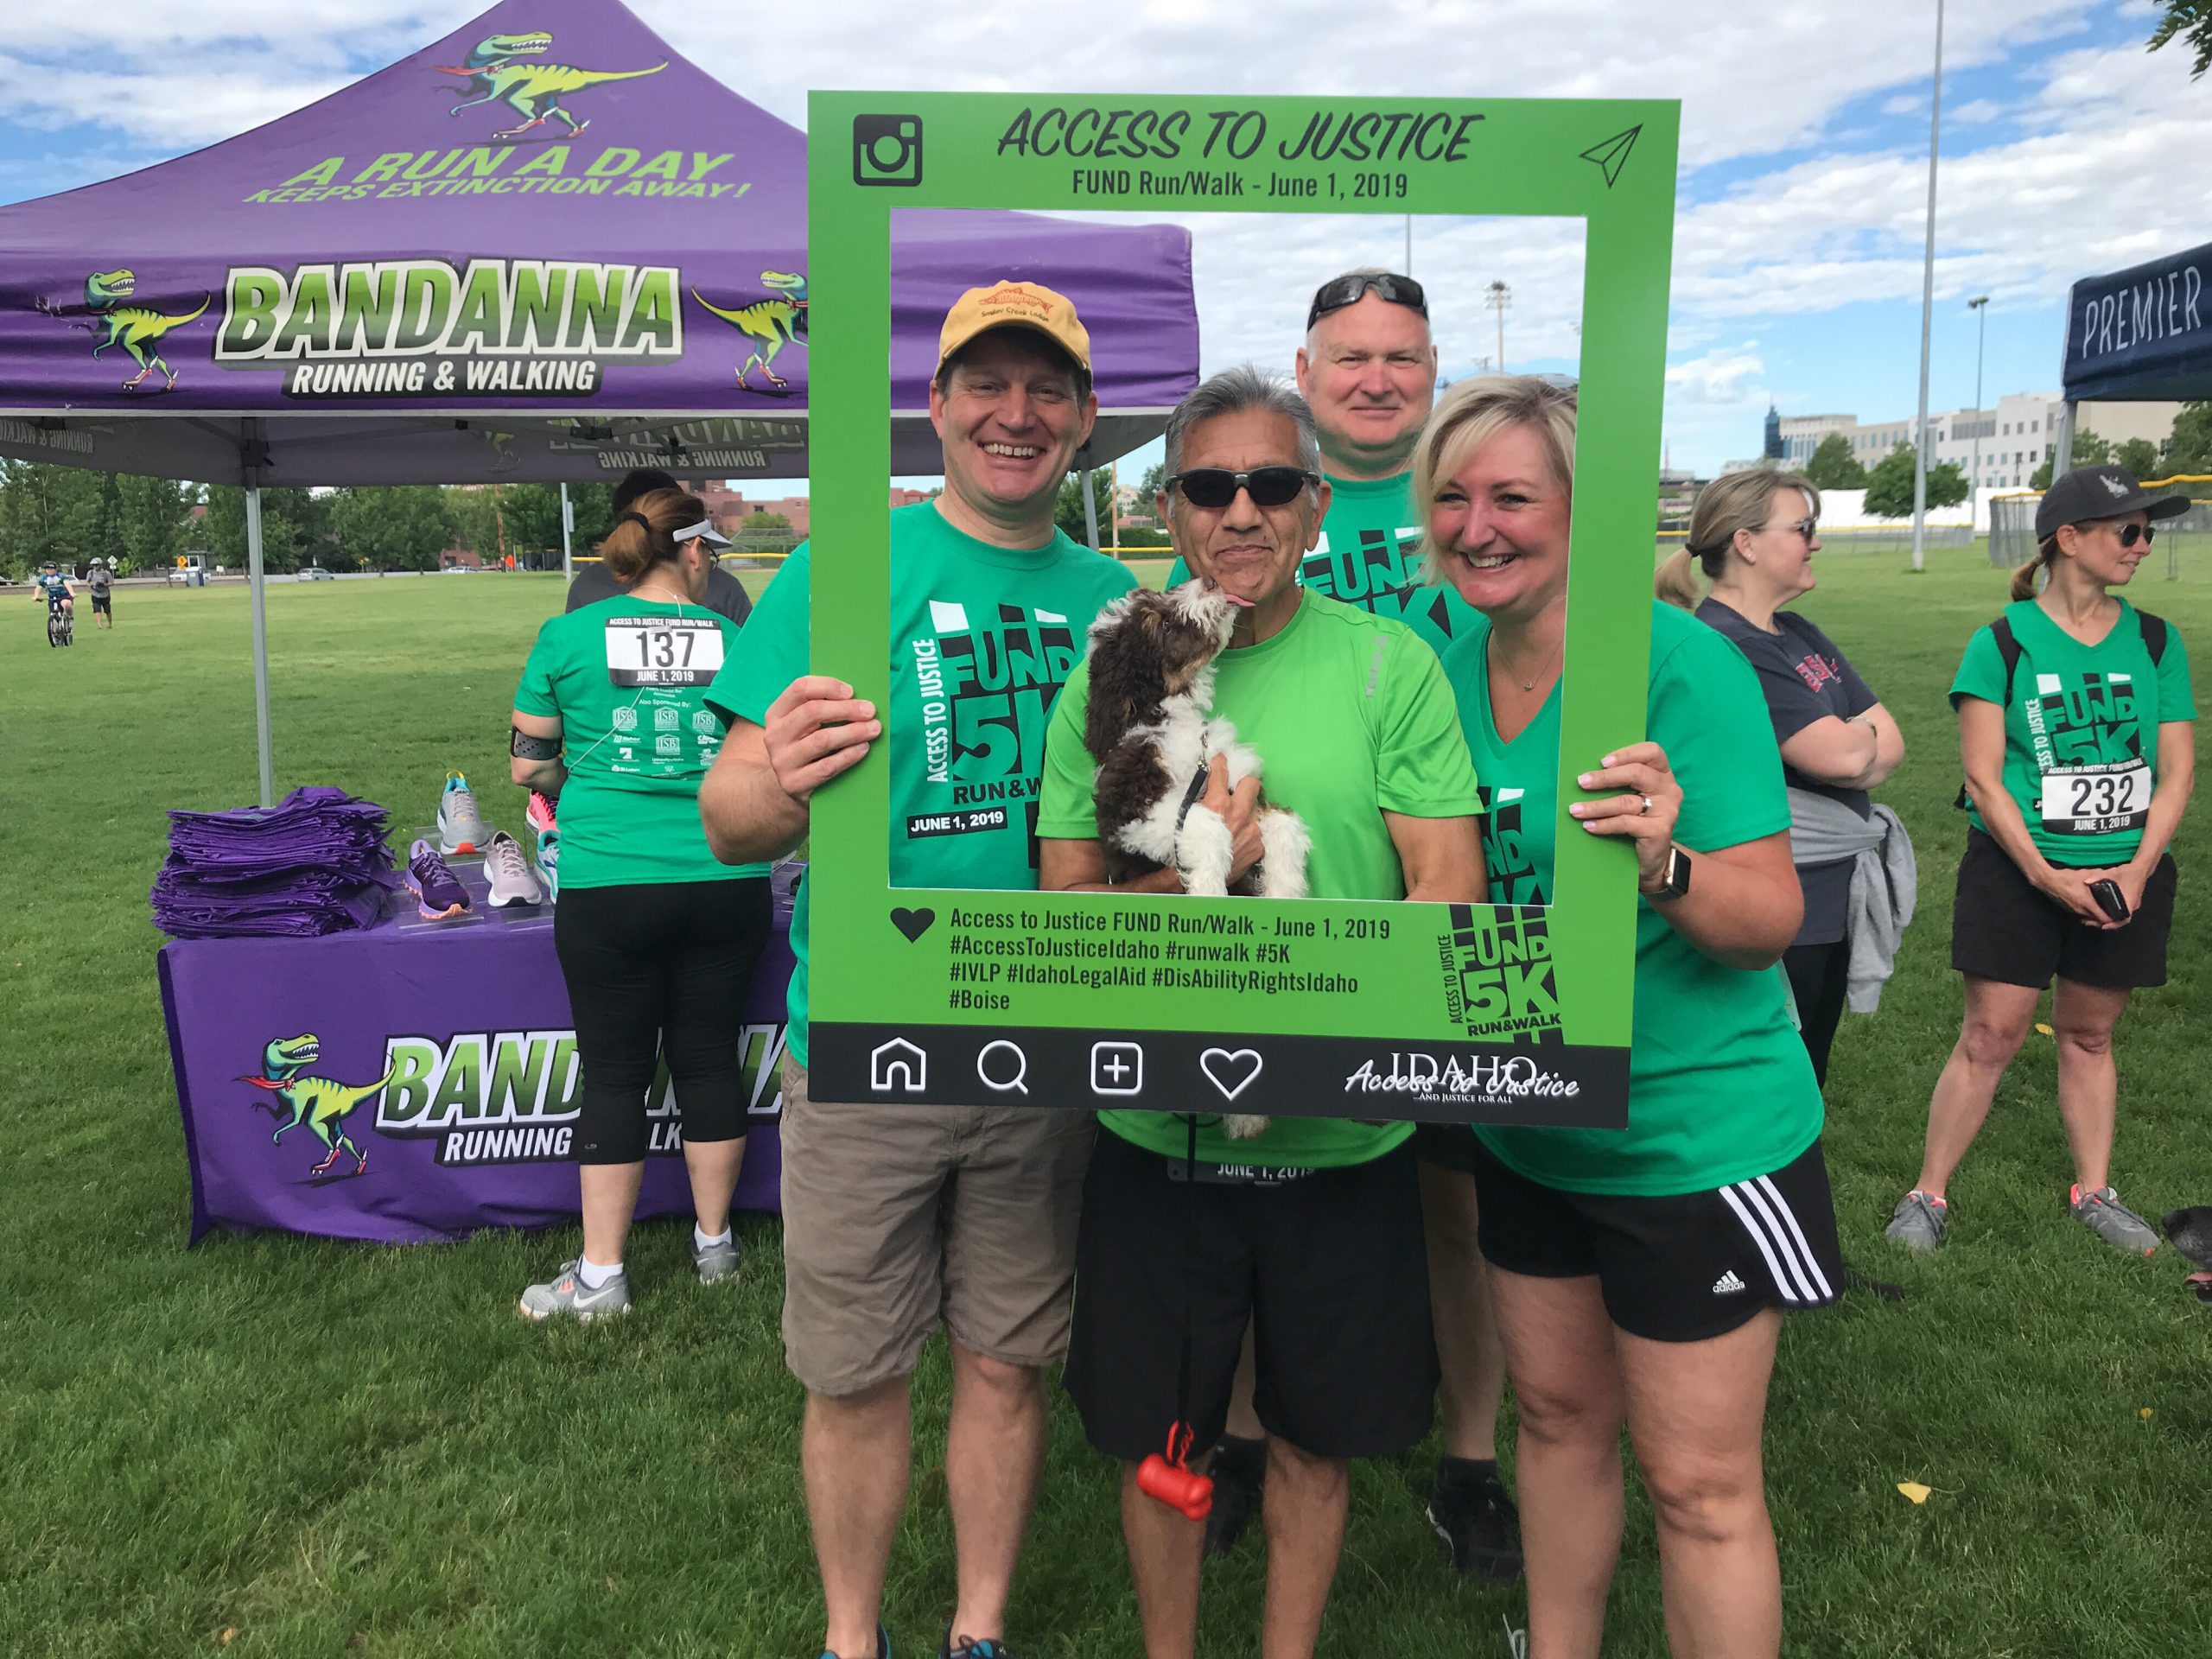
(898, 1218)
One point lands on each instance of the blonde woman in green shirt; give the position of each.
(1638, 1274)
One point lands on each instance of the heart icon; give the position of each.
(912, 923)
(1230, 1072)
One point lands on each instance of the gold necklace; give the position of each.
(1527, 685)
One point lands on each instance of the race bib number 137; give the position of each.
(663, 650)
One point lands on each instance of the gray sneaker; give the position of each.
(2103, 1214)
(1919, 1222)
(716, 1261)
(565, 1296)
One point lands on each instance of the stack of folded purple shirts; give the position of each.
(317, 862)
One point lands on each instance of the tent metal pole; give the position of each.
(568, 525)
(1089, 509)
(2061, 448)
(254, 575)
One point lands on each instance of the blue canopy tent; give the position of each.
(2139, 335)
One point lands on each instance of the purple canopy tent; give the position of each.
(545, 248)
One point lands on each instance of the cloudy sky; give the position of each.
(1797, 256)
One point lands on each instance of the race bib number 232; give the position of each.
(2097, 800)
(663, 650)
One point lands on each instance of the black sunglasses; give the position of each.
(1217, 486)
(1348, 291)
(2131, 534)
(1807, 528)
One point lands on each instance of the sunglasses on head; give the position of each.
(1348, 291)
(1217, 486)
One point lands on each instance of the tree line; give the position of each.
(73, 515)
(1888, 484)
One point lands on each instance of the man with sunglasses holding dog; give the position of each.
(1308, 1233)
(899, 1218)
(1368, 367)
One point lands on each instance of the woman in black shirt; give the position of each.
(1755, 534)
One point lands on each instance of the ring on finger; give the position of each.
(1645, 808)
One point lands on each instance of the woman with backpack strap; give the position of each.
(2075, 713)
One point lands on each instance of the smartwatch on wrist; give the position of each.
(1674, 882)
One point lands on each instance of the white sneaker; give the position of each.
(508, 872)
(461, 828)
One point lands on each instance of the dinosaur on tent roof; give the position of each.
(498, 66)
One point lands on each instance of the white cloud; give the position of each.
(1974, 113)
(1906, 103)
(1725, 375)
(251, 58)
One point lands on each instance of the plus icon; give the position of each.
(1117, 1068)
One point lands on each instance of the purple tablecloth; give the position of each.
(409, 1082)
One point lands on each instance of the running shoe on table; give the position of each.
(539, 814)
(549, 861)
(461, 828)
(438, 895)
(512, 881)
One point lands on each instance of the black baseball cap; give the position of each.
(2093, 492)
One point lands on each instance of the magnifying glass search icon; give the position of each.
(1018, 1066)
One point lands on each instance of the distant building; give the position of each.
(1773, 450)
(2016, 437)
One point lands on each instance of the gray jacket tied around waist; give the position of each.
(1884, 883)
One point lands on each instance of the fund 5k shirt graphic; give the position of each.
(982, 638)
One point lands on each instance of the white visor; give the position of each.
(704, 530)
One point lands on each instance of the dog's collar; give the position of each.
(1193, 794)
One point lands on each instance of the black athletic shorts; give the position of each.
(1327, 1265)
(1673, 1269)
(1445, 1145)
(2003, 929)
(101, 603)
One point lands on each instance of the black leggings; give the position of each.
(654, 968)
(1819, 976)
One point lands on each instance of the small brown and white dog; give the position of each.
(1150, 727)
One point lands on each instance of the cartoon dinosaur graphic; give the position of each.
(318, 1103)
(532, 91)
(776, 322)
(135, 327)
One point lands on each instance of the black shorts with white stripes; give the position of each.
(1681, 1268)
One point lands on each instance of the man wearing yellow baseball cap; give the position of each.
(895, 1219)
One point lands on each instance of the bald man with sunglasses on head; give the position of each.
(1368, 367)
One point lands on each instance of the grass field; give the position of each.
(280, 1446)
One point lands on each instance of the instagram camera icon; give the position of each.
(887, 149)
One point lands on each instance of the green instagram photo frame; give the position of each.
(1445, 1012)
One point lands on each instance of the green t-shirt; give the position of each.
(1352, 718)
(982, 639)
(627, 679)
(2081, 729)
(1370, 555)
(1719, 1086)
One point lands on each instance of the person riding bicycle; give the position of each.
(57, 589)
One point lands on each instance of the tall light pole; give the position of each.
(1926, 309)
(1498, 296)
(1979, 307)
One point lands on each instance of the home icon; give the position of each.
(898, 1065)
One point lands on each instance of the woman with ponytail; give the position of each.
(657, 939)
(1755, 534)
(2075, 712)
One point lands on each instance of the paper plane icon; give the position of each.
(1613, 155)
